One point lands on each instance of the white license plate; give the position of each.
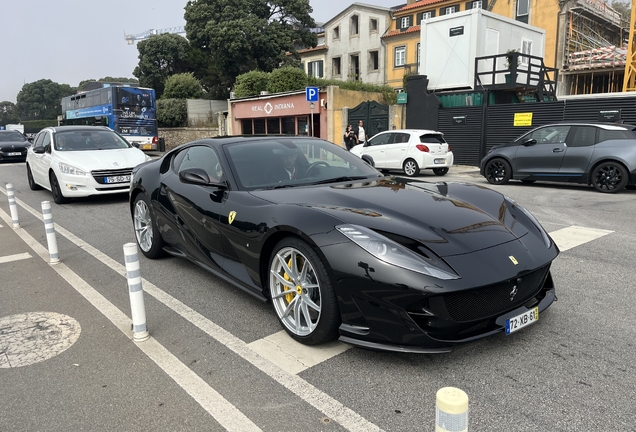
(14, 154)
(439, 161)
(520, 321)
(117, 179)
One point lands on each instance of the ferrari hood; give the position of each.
(449, 218)
(103, 159)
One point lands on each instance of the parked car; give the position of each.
(13, 146)
(79, 161)
(600, 154)
(340, 250)
(409, 150)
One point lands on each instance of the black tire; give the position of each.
(497, 171)
(32, 184)
(58, 197)
(368, 159)
(146, 230)
(440, 171)
(411, 168)
(302, 321)
(609, 177)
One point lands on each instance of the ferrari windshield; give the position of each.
(292, 161)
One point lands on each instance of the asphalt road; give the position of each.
(207, 365)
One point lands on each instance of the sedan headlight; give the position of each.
(70, 169)
(522, 209)
(391, 252)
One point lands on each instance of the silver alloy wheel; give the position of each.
(143, 225)
(410, 167)
(295, 291)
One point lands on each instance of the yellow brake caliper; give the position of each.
(289, 297)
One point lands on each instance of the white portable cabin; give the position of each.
(450, 43)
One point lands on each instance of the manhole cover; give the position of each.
(33, 337)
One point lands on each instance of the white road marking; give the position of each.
(16, 257)
(294, 357)
(329, 406)
(216, 405)
(573, 236)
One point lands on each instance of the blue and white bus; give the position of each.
(128, 110)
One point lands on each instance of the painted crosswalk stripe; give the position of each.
(16, 257)
(573, 236)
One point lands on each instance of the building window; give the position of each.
(400, 56)
(335, 66)
(354, 25)
(477, 5)
(336, 32)
(315, 69)
(405, 22)
(374, 60)
(373, 25)
(450, 10)
(522, 7)
(424, 16)
(354, 67)
(526, 48)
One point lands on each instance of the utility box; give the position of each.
(17, 127)
(450, 44)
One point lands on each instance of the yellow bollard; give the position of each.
(451, 410)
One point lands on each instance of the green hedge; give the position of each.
(35, 126)
(172, 112)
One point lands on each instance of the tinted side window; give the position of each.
(606, 135)
(551, 134)
(39, 139)
(399, 138)
(204, 158)
(380, 139)
(432, 139)
(582, 136)
(46, 142)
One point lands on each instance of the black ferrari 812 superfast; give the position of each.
(342, 251)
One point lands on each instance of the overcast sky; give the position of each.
(68, 41)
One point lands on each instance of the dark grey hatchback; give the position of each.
(600, 154)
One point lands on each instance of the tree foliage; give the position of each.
(239, 36)
(286, 79)
(41, 100)
(625, 9)
(172, 112)
(8, 113)
(161, 56)
(182, 86)
(251, 84)
(109, 80)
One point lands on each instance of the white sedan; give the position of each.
(409, 150)
(79, 161)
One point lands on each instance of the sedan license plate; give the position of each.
(117, 179)
(14, 154)
(146, 146)
(440, 161)
(520, 321)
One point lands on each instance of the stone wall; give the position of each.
(174, 137)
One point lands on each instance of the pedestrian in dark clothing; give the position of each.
(361, 134)
(349, 138)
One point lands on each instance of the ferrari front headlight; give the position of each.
(391, 252)
(70, 169)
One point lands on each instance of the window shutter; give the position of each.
(320, 69)
(469, 5)
(309, 68)
(433, 13)
(442, 11)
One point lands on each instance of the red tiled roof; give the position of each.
(418, 4)
(412, 29)
(316, 48)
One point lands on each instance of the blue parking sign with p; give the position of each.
(311, 93)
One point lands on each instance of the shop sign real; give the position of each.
(268, 108)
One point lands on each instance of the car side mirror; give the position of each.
(194, 175)
(529, 142)
(38, 150)
(135, 144)
(366, 144)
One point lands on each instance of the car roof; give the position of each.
(417, 131)
(603, 125)
(76, 128)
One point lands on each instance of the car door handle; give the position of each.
(557, 150)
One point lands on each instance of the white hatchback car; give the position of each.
(409, 150)
(79, 161)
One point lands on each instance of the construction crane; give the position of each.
(131, 39)
(629, 82)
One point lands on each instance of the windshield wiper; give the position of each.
(283, 186)
(340, 179)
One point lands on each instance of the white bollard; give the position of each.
(12, 206)
(136, 293)
(451, 410)
(49, 228)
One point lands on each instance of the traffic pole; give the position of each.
(12, 206)
(451, 410)
(49, 228)
(136, 293)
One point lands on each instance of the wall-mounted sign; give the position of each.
(523, 119)
(459, 120)
(456, 31)
(401, 98)
(609, 115)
